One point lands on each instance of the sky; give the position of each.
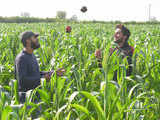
(106, 10)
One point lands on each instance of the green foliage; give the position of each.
(85, 92)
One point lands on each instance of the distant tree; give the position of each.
(61, 15)
(117, 22)
(25, 14)
(153, 19)
(74, 18)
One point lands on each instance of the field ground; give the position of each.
(85, 92)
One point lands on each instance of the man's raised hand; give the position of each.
(98, 54)
(47, 76)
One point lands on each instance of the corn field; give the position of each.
(85, 92)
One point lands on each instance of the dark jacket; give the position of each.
(27, 71)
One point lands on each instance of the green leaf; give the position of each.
(68, 117)
(80, 108)
(6, 112)
(44, 96)
(95, 103)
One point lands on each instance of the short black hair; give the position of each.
(26, 35)
(23, 42)
(124, 30)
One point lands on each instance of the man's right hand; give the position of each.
(60, 71)
(47, 76)
(98, 54)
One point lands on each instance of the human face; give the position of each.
(34, 42)
(118, 36)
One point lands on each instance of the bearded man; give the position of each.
(121, 37)
(26, 66)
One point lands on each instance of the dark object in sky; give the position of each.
(84, 9)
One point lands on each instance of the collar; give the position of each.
(26, 52)
(126, 45)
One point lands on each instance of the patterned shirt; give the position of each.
(125, 51)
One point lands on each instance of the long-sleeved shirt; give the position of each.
(27, 71)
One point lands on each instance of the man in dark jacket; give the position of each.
(121, 37)
(26, 66)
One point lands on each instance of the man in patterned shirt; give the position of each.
(121, 37)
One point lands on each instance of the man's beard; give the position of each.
(35, 46)
(118, 41)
